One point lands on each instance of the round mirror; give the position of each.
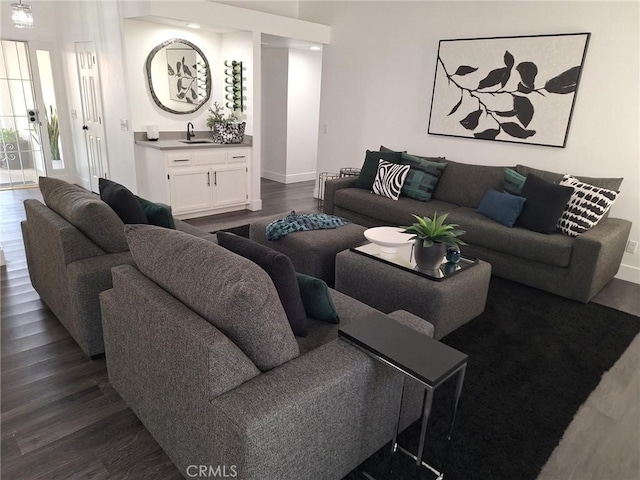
(178, 76)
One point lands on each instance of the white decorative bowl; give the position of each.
(389, 239)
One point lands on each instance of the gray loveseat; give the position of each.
(198, 344)
(573, 267)
(71, 243)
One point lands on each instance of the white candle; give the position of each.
(152, 132)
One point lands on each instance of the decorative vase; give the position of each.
(429, 258)
(453, 255)
(228, 132)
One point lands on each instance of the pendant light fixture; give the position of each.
(21, 15)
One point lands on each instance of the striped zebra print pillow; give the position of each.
(389, 179)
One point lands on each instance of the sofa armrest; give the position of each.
(51, 236)
(330, 188)
(86, 279)
(597, 254)
(346, 398)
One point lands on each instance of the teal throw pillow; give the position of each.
(502, 207)
(370, 167)
(157, 214)
(316, 299)
(513, 181)
(422, 178)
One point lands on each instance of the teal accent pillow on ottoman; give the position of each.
(316, 298)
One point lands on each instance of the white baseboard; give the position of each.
(273, 176)
(629, 273)
(255, 205)
(286, 179)
(301, 177)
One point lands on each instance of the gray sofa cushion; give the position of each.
(551, 249)
(608, 183)
(279, 268)
(465, 185)
(86, 212)
(387, 211)
(231, 292)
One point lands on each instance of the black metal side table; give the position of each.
(417, 356)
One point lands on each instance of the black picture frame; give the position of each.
(519, 89)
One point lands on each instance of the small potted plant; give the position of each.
(225, 129)
(432, 238)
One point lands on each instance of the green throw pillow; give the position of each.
(422, 178)
(513, 181)
(157, 213)
(370, 167)
(316, 299)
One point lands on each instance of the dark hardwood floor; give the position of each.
(60, 418)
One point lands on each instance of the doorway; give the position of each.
(21, 155)
(30, 141)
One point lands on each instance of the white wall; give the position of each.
(142, 37)
(303, 110)
(378, 75)
(275, 68)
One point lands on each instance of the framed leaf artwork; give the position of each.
(508, 89)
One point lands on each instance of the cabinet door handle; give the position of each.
(215, 178)
(181, 160)
(208, 179)
(238, 156)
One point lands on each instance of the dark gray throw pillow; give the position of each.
(370, 167)
(545, 203)
(122, 201)
(279, 267)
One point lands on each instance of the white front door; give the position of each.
(22, 156)
(93, 126)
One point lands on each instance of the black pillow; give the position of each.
(370, 167)
(545, 203)
(122, 201)
(281, 271)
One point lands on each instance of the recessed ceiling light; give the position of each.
(193, 25)
(314, 48)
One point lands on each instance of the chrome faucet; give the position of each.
(190, 133)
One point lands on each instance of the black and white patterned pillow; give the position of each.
(587, 206)
(389, 179)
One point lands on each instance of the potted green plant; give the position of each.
(432, 238)
(225, 128)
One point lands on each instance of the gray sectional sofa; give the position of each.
(199, 346)
(71, 243)
(573, 267)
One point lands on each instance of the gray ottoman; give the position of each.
(447, 304)
(312, 252)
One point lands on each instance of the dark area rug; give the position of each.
(534, 358)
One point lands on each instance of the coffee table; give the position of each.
(448, 298)
(419, 357)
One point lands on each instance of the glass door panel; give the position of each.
(22, 157)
